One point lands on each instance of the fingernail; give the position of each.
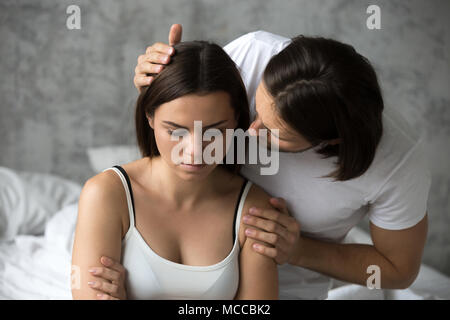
(150, 80)
(92, 270)
(246, 218)
(166, 59)
(256, 246)
(160, 68)
(99, 295)
(252, 210)
(171, 50)
(91, 283)
(249, 232)
(106, 261)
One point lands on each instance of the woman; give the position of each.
(162, 218)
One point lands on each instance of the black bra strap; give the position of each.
(129, 188)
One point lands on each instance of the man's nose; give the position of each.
(255, 126)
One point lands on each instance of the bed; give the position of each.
(37, 222)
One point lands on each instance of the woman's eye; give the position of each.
(177, 132)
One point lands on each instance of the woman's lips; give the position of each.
(192, 167)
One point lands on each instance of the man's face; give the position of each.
(288, 139)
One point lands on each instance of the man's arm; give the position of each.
(397, 253)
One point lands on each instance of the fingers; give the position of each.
(104, 296)
(280, 204)
(175, 34)
(142, 81)
(112, 264)
(146, 67)
(157, 57)
(105, 287)
(267, 237)
(106, 273)
(142, 71)
(266, 225)
(270, 252)
(273, 215)
(161, 48)
(153, 57)
(153, 60)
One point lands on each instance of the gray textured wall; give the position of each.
(63, 91)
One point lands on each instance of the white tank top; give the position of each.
(150, 276)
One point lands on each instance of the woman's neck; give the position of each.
(181, 193)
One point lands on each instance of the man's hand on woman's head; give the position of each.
(155, 57)
(110, 281)
(277, 228)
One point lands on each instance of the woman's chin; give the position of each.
(193, 172)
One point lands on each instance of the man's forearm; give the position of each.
(348, 262)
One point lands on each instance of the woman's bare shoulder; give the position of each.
(109, 181)
(104, 183)
(103, 194)
(256, 197)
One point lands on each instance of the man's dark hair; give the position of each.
(325, 90)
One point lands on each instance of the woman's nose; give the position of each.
(193, 150)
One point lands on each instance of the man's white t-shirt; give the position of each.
(393, 192)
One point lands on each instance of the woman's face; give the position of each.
(214, 110)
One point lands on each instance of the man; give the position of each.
(343, 155)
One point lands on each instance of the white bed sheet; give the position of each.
(39, 267)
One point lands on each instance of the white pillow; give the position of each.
(101, 158)
(28, 200)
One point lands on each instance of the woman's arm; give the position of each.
(258, 274)
(98, 232)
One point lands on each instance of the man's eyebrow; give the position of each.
(204, 127)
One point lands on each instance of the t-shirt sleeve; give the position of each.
(251, 53)
(401, 203)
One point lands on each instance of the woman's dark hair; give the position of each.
(198, 67)
(325, 90)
